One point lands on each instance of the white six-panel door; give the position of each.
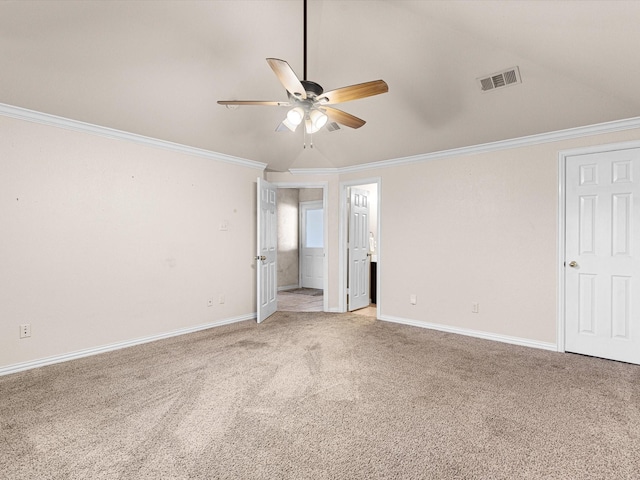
(266, 258)
(358, 277)
(602, 277)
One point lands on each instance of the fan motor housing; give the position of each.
(312, 88)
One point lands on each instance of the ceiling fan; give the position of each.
(310, 103)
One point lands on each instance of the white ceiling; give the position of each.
(157, 68)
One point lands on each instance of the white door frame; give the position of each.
(342, 239)
(562, 220)
(325, 265)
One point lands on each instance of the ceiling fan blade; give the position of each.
(343, 118)
(287, 77)
(354, 92)
(253, 102)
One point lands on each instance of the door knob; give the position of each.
(260, 257)
(573, 264)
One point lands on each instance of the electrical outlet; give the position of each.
(475, 307)
(224, 226)
(413, 299)
(210, 302)
(25, 330)
(221, 299)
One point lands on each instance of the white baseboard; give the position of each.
(19, 367)
(473, 333)
(288, 287)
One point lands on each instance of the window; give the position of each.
(314, 228)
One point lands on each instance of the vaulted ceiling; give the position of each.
(157, 68)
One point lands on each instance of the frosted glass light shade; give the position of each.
(318, 119)
(295, 116)
(315, 121)
(289, 125)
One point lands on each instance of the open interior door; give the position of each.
(267, 250)
(358, 278)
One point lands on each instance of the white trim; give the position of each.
(472, 333)
(42, 362)
(562, 223)
(78, 126)
(567, 134)
(606, 147)
(560, 255)
(314, 171)
(288, 287)
(300, 184)
(342, 246)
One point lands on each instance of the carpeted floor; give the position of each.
(322, 396)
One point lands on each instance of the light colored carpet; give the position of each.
(322, 396)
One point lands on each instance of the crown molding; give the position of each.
(78, 126)
(559, 135)
(541, 138)
(314, 171)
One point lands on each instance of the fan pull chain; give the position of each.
(304, 143)
(310, 140)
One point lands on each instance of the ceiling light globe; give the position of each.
(295, 115)
(318, 119)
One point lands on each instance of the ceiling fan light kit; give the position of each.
(295, 116)
(317, 120)
(310, 101)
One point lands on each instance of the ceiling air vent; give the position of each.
(506, 78)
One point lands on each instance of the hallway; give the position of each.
(311, 300)
(300, 300)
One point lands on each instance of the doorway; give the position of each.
(302, 248)
(367, 236)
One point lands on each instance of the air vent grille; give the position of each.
(506, 78)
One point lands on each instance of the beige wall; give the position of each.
(310, 194)
(475, 228)
(105, 241)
